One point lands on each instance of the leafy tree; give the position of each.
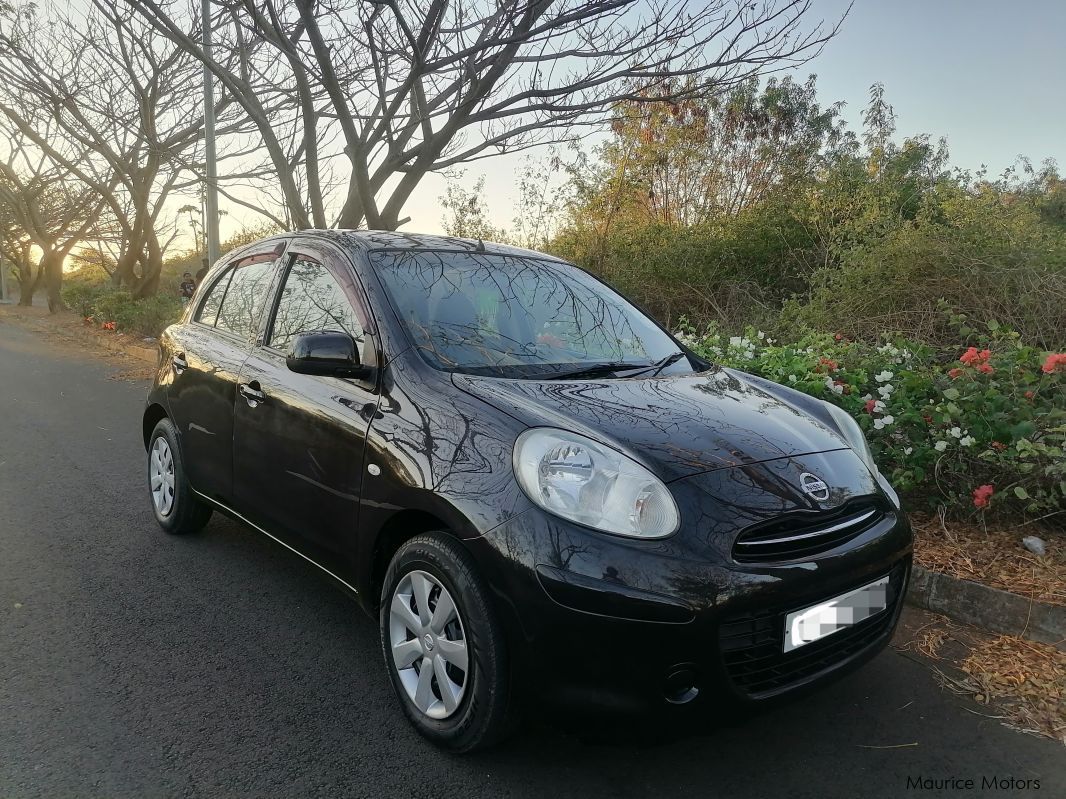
(688, 161)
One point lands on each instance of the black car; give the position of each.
(541, 494)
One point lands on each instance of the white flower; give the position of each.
(770, 341)
(967, 441)
(866, 397)
(883, 377)
(883, 422)
(734, 341)
(955, 432)
(890, 419)
(885, 391)
(879, 407)
(940, 446)
(762, 335)
(791, 378)
(833, 386)
(908, 450)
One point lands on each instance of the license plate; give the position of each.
(816, 622)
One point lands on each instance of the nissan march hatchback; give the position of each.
(540, 494)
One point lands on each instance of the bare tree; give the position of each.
(104, 83)
(54, 212)
(15, 246)
(395, 89)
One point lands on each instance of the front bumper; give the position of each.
(625, 624)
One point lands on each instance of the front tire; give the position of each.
(443, 646)
(177, 508)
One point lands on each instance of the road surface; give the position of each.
(136, 664)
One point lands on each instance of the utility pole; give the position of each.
(211, 223)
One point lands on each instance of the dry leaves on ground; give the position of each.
(993, 557)
(1026, 679)
(1021, 682)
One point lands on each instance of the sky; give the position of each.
(989, 75)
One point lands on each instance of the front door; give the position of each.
(298, 439)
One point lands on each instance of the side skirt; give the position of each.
(239, 517)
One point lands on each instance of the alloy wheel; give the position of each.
(429, 644)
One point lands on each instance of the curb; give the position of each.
(990, 608)
(146, 354)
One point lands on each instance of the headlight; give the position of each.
(852, 433)
(592, 484)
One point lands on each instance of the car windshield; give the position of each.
(518, 317)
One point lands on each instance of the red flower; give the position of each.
(829, 364)
(974, 358)
(928, 419)
(870, 405)
(838, 337)
(954, 373)
(1053, 362)
(986, 368)
(1029, 395)
(108, 325)
(998, 446)
(982, 495)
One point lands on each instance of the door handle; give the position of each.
(179, 363)
(252, 393)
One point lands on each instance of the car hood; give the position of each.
(676, 426)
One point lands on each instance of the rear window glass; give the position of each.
(208, 312)
(246, 298)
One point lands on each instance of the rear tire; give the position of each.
(444, 647)
(177, 508)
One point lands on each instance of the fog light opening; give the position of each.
(680, 687)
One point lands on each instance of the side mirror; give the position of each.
(330, 354)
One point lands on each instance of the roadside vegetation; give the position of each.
(928, 301)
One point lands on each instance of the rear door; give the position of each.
(206, 359)
(299, 439)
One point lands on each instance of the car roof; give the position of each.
(370, 240)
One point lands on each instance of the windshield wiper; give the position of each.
(669, 359)
(595, 370)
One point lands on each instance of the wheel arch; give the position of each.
(397, 530)
(153, 414)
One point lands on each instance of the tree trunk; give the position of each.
(124, 274)
(28, 281)
(52, 270)
(151, 266)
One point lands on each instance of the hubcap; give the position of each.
(161, 476)
(428, 644)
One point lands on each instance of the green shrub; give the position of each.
(944, 424)
(103, 304)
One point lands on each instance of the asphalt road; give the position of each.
(136, 664)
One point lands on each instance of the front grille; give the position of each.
(796, 538)
(753, 645)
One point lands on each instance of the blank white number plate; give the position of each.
(804, 626)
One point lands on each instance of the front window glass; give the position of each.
(311, 302)
(512, 316)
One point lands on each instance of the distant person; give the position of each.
(187, 288)
(201, 274)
